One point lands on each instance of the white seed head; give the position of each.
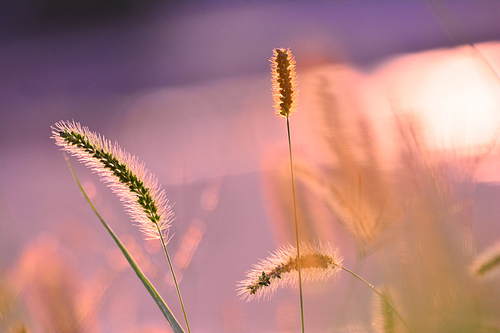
(135, 186)
(279, 270)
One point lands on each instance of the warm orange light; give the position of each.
(456, 96)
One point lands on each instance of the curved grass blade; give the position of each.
(151, 289)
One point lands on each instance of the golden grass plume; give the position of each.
(284, 81)
(280, 270)
(135, 186)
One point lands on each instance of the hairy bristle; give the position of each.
(318, 262)
(136, 187)
(284, 82)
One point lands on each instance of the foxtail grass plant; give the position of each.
(135, 186)
(320, 262)
(149, 286)
(284, 87)
(288, 266)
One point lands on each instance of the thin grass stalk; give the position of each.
(296, 224)
(379, 294)
(136, 187)
(145, 281)
(175, 279)
(285, 94)
(349, 294)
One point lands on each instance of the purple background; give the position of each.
(94, 62)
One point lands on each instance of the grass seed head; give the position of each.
(284, 82)
(280, 270)
(135, 186)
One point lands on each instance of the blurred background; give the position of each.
(390, 95)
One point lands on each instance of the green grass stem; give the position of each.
(175, 279)
(145, 281)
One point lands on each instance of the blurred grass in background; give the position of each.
(404, 130)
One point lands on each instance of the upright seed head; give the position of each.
(136, 187)
(317, 262)
(284, 82)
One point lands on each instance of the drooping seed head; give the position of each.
(284, 82)
(280, 270)
(135, 186)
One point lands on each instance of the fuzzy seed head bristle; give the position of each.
(135, 186)
(318, 262)
(284, 82)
